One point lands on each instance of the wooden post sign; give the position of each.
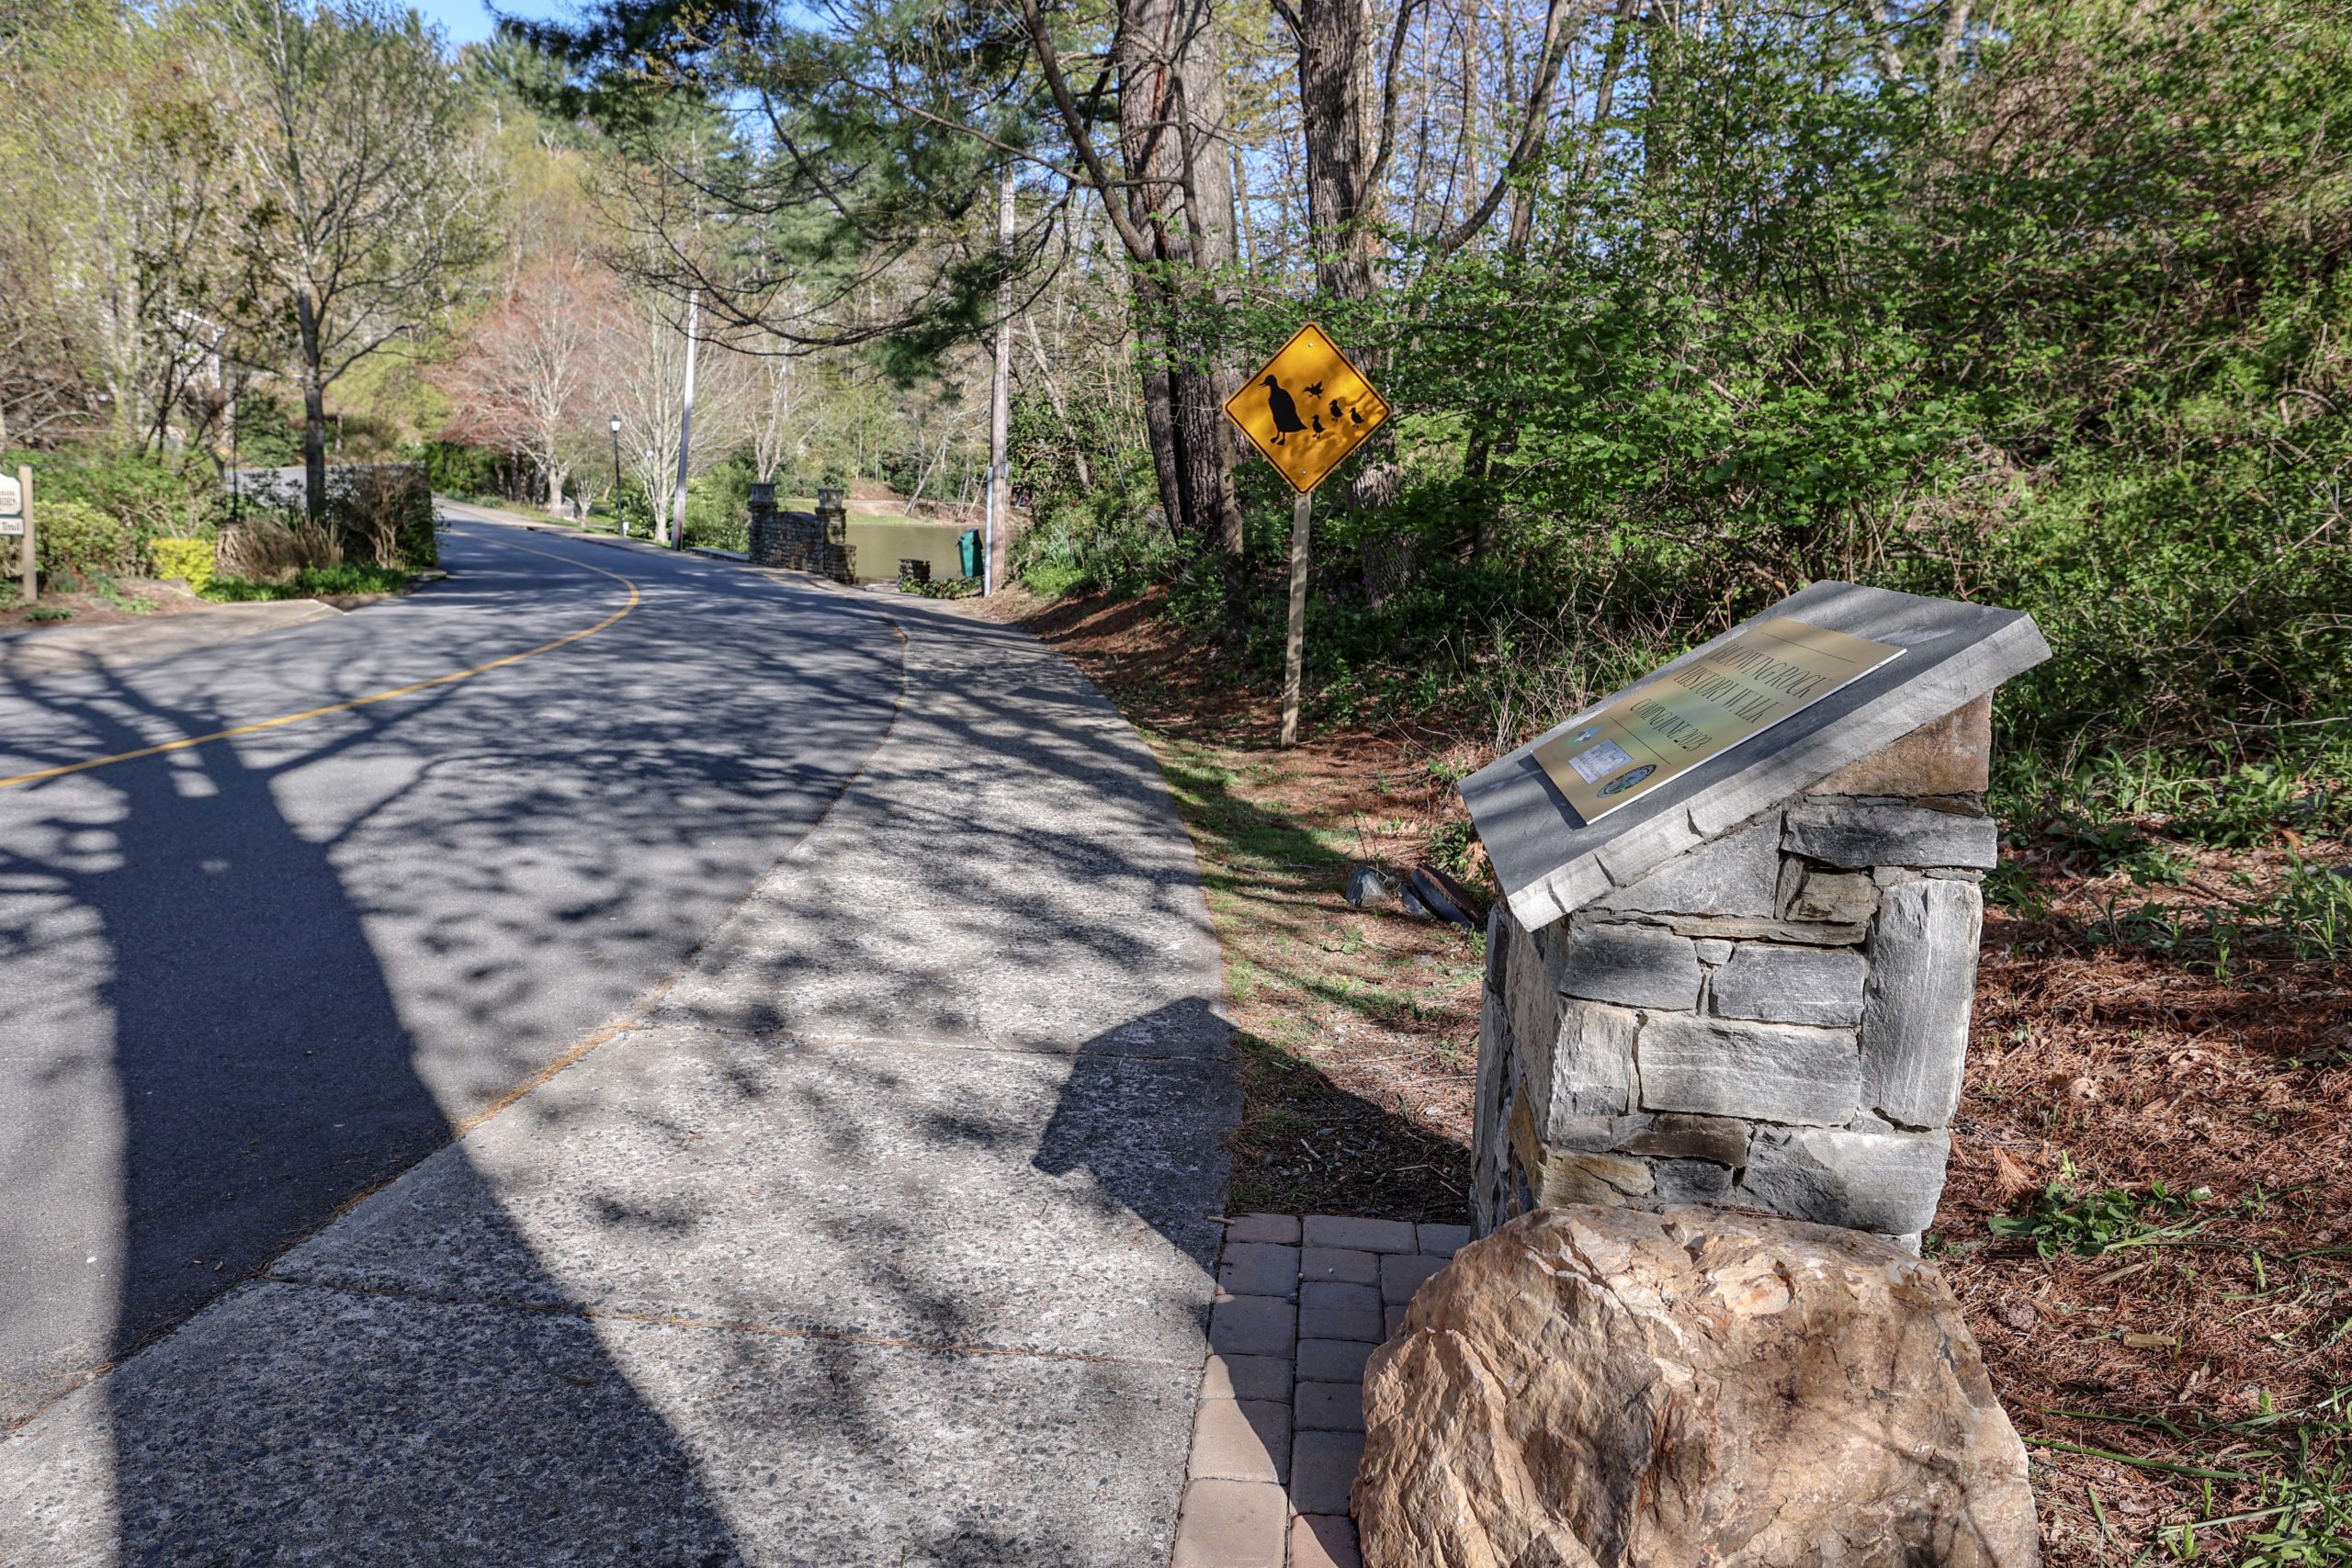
(16, 522)
(1304, 410)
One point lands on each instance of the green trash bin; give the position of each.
(967, 550)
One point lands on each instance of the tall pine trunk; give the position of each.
(1333, 41)
(1171, 92)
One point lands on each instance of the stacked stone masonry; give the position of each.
(1776, 1019)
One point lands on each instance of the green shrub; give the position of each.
(453, 468)
(195, 561)
(718, 507)
(1102, 544)
(137, 486)
(74, 540)
(266, 435)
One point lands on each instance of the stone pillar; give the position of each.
(832, 515)
(1777, 1018)
(764, 540)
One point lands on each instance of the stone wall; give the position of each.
(1776, 1019)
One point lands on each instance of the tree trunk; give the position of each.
(1170, 70)
(1333, 37)
(314, 410)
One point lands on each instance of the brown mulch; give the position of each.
(89, 610)
(2097, 1059)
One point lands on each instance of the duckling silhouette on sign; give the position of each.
(1284, 408)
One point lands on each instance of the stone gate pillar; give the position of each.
(765, 539)
(1749, 984)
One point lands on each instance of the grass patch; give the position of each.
(311, 583)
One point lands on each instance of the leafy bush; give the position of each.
(133, 486)
(384, 512)
(453, 468)
(75, 539)
(633, 509)
(1093, 545)
(195, 561)
(718, 507)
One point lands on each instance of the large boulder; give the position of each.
(1602, 1386)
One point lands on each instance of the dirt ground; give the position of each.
(2180, 1364)
(141, 599)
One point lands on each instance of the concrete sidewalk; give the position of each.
(881, 1235)
(26, 654)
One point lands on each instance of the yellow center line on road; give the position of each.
(635, 597)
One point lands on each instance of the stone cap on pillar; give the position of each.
(1551, 862)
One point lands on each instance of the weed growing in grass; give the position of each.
(2065, 1219)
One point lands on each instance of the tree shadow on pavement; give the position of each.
(262, 1076)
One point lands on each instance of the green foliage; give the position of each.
(75, 539)
(941, 587)
(1104, 546)
(132, 486)
(195, 561)
(1449, 848)
(635, 509)
(2312, 908)
(311, 583)
(2011, 885)
(266, 437)
(2062, 331)
(719, 506)
(453, 468)
(49, 613)
(382, 512)
(2063, 1219)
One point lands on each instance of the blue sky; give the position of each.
(467, 21)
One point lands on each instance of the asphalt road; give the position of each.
(242, 983)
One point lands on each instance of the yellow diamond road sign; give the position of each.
(1306, 408)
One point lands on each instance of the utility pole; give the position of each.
(686, 424)
(619, 527)
(1000, 508)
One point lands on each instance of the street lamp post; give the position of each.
(619, 527)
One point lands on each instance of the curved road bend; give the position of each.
(242, 983)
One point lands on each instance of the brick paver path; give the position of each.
(1300, 1305)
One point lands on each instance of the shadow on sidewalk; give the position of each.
(263, 1074)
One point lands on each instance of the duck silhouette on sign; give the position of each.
(1284, 408)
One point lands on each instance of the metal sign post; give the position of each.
(17, 521)
(1304, 410)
